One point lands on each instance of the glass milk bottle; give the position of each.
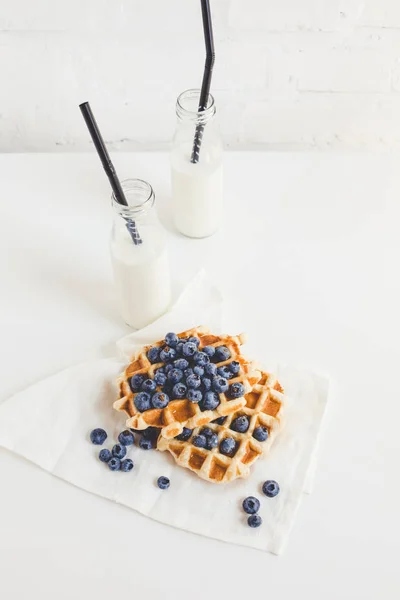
(196, 167)
(139, 256)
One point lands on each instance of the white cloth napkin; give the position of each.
(49, 424)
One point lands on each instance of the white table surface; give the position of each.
(309, 260)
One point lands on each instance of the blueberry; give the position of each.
(98, 436)
(175, 375)
(194, 395)
(179, 348)
(161, 370)
(254, 521)
(151, 433)
(114, 464)
(234, 367)
(251, 505)
(181, 363)
(225, 372)
(201, 359)
(126, 438)
(228, 446)
(168, 368)
(189, 349)
(194, 340)
(167, 389)
(146, 443)
(154, 354)
(219, 421)
(188, 372)
(149, 385)
(119, 451)
(105, 455)
(127, 465)
(211, 401)
(160, 400)
(198, 371)
(210, 369)
(179, 390)
(200, 441)
(240, 424)
(135, 382)
(220, 384)
(167, 354)
(160, 378)
(185, 435)
(236, 390)
(212, 441)
(260, 434)
(163, 483)
(142, 401)
(270, 488)
(221, 353)
(209, 350)
(206, 384)
(193, 381)
(206, 431)
(171, 339)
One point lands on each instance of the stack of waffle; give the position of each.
(182, 421)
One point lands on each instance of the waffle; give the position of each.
(180, 413)
(264, 406)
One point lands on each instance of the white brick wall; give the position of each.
(288, 74)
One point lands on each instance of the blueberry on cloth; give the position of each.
(270, 488)
(142, 401)
(171, 339)
(240, 424)
(179, 390)
(167, 354)
(127, 465)
(126, 438)
(135, 382)
(175, 375)
(194, 395)
(105, 455)
(251, 505)
(149, 385)
(154, 354)
(159, 400)
(98, 436)
(228, 446)
(185, 435)
(211, 401)
(114, 464)
(220, 384)
(260, 434)
(209, 350)
(163, 483)
(189, 349)
(119, 451)
(222, 353)
(236, 390)
(200, 441)
(146, 443)
(254, 521)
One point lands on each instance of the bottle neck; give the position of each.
(187, 108)
(140, 198)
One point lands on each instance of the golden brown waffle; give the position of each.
(264, 407)
(180, 413)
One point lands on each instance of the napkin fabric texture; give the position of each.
(49, 424)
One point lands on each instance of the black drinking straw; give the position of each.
(108, 167)
(208, 67)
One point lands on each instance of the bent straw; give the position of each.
(108, 167)
(205, 86)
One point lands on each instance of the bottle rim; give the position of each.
(137, 188)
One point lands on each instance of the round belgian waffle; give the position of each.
(180, 413)
(264, 406)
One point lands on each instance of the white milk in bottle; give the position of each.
(196, 168)
(139, 257)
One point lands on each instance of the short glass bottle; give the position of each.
(139, 256)
(196, 167)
